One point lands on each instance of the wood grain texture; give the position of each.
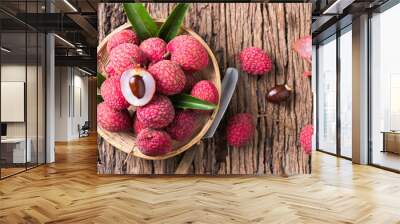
(70, 191)
(229, 28)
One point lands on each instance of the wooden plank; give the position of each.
(228, 28)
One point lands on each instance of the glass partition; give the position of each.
(14, 155)
(22, 77)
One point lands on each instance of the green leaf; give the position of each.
(100, 79)
(141, 21)
(99, 99)
(185, 101)
(173, 23)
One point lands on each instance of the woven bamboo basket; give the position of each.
(126, 141)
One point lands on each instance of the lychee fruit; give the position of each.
(158, 113)
(169, 77)
(190, 81)
(205, 90)
(126, 56)
(138, 86)
(306, 134)
(154, 49)
(240, 129)
(188, 53)
(307, 74)
(110, 90)
(183, 125)
(154, 142)
(112, 120)
(255, 61)
(124, 36)
(110, 70)
(303, 47)
(137, 126)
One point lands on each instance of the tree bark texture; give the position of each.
(228, 28)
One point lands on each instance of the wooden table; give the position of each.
(391, 141)
(228, 28)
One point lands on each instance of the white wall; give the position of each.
(71, 93)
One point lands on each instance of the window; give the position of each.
(326, 118)
(385, 89)
(346, 95)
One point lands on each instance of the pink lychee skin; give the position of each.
(112, 120)
(205, 90)
(154, 142)
(307, 74)
(124, 36)
(183, 125)
(169, 77)
(110, 71)
(126, 56)
(137, 126)
(154, 49)
(303, 47)
(255, 61)
(188, 53)
(158, 113)
(306, 134)
(240, 129)
(111, 92)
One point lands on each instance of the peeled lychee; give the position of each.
(240, 129)
(183, 125)
(137, 126)
(188, 53)
(303, 47)
(112, 120)
(138, 86)
(205, 90)
(110, 90)
(169, 77)
(158, 113)
(255, 61)
(126, 56)
(306, 134)
(154, 142)
(154, 49)
(124, 36)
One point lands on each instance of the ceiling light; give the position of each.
(84, 71)
(70, 5)
(65, 41)
(337, 7)
(5, 50)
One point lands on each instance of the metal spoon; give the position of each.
(228, 88)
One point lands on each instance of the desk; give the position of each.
(17, 150)
(391, 141)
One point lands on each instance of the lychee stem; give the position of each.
(288, 87)
(166, 55)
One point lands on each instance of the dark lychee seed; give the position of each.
(137, 86)
(279, 94)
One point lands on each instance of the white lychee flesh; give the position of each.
(138, 86)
